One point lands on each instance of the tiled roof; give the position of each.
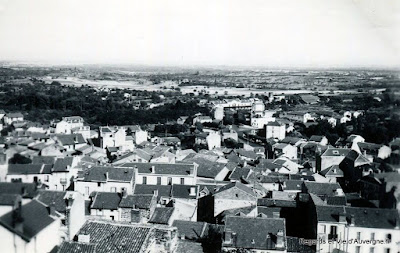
(363, 217)
(276, 202)
(333, 170)
(316, 138)
(251, 233)
(7, 199)
(27, 190)
(274, 123)
(207, 168)
(141, 201)
(70, 139)
(106, 200)
(14, 115)
(247, 153)
(336, 200)
(186, 246)
(76, 247)
(100, 174)
(22, 169)
(239, 173)
(162, 215)
(116, 238)
(322, 188)
(43, 160)
(183, 191)
(237, 185)
(35, 217)
(55, 198)
(162, 168)
(163, 190)
(293, 185)
(61, 164)
(192, 230)
(336, 152)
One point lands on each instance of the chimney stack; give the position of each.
(17, 220)
(352, 220)
(51, 209)
(280, 240)
(192, 191)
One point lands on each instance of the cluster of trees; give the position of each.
(43, 103)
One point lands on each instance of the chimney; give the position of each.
(191, 170)
(17, 220)
(84, 238)
(275, 215)
(155, 193)
(153, 169)
(228, 237)
(124, 192)
(342, 217)
(280, 239)
(352, 220)
(192, 191)
(339, 192)
(51, 209)
(397, 223)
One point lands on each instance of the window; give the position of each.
(144, 180)
(113, 189)
(372, 236)
(371, 250)
(47, 178)
(358, 235)
(333, 233)
(169, 180)
(323, 229)
(389, 237)
(112, 217)
(158, 180)
(98, 184)
(182, 180)
(358, 249)
(87, 190)
(387, 250)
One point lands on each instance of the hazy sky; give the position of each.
(272, 33)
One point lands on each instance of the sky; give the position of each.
(270, 33)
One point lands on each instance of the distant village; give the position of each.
(241, 178)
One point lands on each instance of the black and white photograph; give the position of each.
(200, 126)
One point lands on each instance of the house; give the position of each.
(260, 120)
(331, 156)
(255, 234)
(109, 236)
(63, 172)
(163, 215)
(191, 230)
(112, 136)
(275, 130)
(137, 133)
(70, 206)
(29, 173)
(282, 149)
(70, 142)
(10, 118)
(164, 173)
(296, 116)
(105, 179)
(338, 223)
(105, 205)
(209, 139)
(320, 139)
(371, 150)
(202, 119)
(229, 133)
(233, 195)
(332, 173)
(137, 155)
(66, 125)
(138, 207)
(33, 227)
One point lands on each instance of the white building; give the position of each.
(275, 130)
(105, 179)
(164, 173)
(364, 229)
(112, 136)
(66, 125)
(33, 227)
